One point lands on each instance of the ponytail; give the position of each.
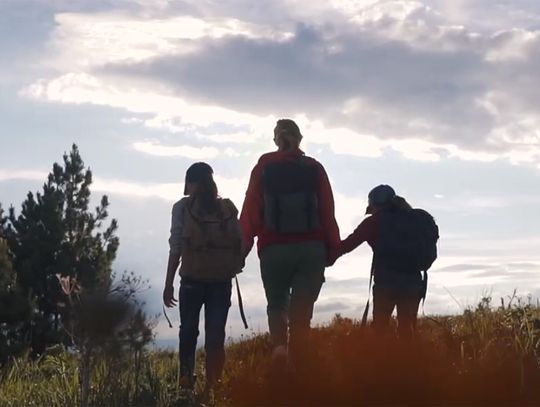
(206, 194)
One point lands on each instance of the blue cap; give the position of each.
(381, 195)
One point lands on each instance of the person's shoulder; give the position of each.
(180, 204)
(371, 220)
(227, 202)
(266, 157)
(228, 205)
(368, 219)
(312, 161)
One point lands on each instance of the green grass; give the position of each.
(487, 355)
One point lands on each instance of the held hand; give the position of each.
(168, 297)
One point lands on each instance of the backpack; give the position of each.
(407, 240)
(211, 243)
(291, 196)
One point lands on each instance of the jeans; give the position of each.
(216, 298)
(292, 275)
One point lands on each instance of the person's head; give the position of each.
(200, 184)
(379, 198)
(287, 135)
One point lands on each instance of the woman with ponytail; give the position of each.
(205, 233)
(289, 206)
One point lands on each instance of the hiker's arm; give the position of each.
(172, 266)
(168, 290)
(175, 252)
(327, 214)
(238, 229)
(251, 216)
(364, 232)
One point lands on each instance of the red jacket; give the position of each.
(252, 216)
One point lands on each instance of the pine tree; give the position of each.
(7, 275)
(56, 233)
(15, 308)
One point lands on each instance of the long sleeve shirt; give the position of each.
(365, 232)
(177, 226)
(252, 217)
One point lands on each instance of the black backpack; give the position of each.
(407, 240)
(291, 196)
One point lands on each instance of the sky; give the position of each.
(438, 98)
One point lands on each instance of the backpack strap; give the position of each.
(240, 303)
(366, 309)
(424, 288)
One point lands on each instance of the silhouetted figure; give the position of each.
(289, 206)
(404, 243)
(205, 233)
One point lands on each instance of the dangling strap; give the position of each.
(366, 310)
(241, 304)
(424, 289)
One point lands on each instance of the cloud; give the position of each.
(26, 175)
(228, 187)
(233, 188)
(195, 153)
(334, 306)
(394, 75)
(168, 192)
(80, 88)
(494, 272)
(489, 15)
(91, 39)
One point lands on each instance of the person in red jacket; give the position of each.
(289, 207)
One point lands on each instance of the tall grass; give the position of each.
(487, 355)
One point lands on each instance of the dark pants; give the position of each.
(292, 275)
(216, 298)
(404, 296)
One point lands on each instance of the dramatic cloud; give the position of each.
(387, 74)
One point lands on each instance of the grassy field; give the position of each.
(488, 355)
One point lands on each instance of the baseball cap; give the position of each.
(380, 196)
